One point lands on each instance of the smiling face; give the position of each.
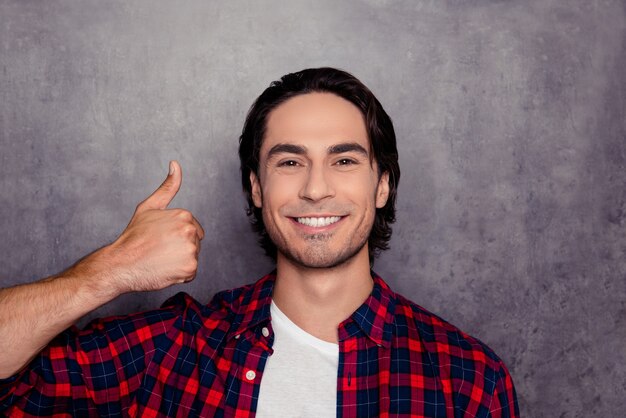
(318, 186)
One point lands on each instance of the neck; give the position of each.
(319, 299)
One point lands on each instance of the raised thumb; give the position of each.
(166, 191)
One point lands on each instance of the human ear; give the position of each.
(382, 191)
(257, 195)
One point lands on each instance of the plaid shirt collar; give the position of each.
(374, 318)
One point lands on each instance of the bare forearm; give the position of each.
(33, 314)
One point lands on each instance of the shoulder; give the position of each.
(180, 313)
(156, 327)
(460, 360)
(438, 335)
(471, 373)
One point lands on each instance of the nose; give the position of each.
(316, 186)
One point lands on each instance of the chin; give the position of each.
(316, 259)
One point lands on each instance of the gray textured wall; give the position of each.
(510, 117)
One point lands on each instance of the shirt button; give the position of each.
(265, 332)
(250, 375)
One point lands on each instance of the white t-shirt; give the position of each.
(300, 377)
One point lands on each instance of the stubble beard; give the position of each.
(318, 255)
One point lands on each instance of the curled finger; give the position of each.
(199, 229)
(198, 243)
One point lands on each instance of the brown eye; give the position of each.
(346, 161)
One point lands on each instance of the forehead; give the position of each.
(315, 119)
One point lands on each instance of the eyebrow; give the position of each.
(347, 147)
(286, 149)
(301, 150)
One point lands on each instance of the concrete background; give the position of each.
(511, 122)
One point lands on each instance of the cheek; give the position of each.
(277, 192)
(363, 187)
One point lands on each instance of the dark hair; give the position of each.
(379, 127)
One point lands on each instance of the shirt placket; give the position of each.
(252, 349)
(349, 367)
(346, 381)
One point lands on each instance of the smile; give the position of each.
(319, 222)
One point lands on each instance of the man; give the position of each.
(321, 336)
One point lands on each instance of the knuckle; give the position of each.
(166, 186)
(191, 267)
(192, 249)
(189, 230)
(140, 207)
(184, 214)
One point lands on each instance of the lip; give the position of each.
(317, 229)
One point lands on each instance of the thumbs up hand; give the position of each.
(159, 247)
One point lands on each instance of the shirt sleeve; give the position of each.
(90, 372)
(504, 400)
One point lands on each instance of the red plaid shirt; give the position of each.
(187, 359)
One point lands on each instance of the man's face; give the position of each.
(317, 185)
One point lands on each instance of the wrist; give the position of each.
(94, 276)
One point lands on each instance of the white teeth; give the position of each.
(319, 222)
